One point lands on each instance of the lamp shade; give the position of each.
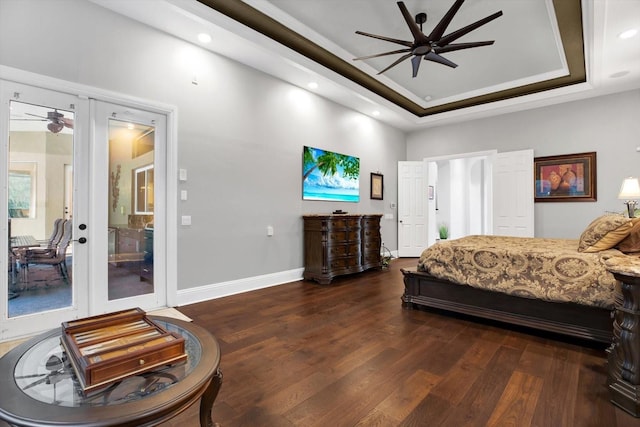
(630, 189)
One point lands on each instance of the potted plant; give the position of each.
(386, 257)
(443, 230)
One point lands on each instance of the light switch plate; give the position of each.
(183, 174)
(186, 219)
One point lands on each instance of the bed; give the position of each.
(555, 285)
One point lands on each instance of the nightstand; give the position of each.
(624, 353)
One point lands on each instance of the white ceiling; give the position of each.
(527, 49)
(516, 57)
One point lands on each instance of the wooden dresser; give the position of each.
(340, 244)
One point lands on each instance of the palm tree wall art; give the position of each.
(330, 176)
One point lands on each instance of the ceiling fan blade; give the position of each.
(415, 62)
(399, 60)
(434, 57)
(35, 383)
(387, 39)
(439, 29)
(465, 30)
(460, 46)
(35, 115)
(418, 36)
(67, 122)
(382, 54)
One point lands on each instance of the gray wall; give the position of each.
(608, 125)
(240, 133)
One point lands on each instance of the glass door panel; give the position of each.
(130, 202)
(41, 140)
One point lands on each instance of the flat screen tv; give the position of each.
(330, 176)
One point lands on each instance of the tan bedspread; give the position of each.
(547, 269)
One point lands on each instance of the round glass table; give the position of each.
(38, 386)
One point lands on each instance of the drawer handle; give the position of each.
(141, 361)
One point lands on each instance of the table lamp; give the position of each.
(629, 191)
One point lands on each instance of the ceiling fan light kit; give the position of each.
(57, 121)
(55, 127)
(429, 47)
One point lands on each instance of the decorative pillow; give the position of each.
(631, 243)
(604, 233)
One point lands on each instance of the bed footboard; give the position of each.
(585, 322)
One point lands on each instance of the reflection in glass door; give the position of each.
(131, 209)
(40, 271)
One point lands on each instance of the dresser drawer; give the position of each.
(370, 233)
(340, 263)
(372, 258)
(372, 244)
(344, 236)
(337, 223)
(371, 223)
(344, 250)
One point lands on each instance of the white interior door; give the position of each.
(513, 211)
(412, 208)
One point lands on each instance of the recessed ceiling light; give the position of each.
(628, 34)
(428, 98)
(375, 113)
(312, 85)
(204, 37)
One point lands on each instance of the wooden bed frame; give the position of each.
(584, 322)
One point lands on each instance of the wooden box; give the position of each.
(106, 348)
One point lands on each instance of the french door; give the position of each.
(83, 208)
(128, 213)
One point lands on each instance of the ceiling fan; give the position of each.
(429, 47)
(57, 120)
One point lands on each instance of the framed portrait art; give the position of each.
(377, 185)
(566, 178)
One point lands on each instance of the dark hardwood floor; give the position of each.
(348, 354)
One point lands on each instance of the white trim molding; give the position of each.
(233, 287)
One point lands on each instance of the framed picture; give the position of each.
(377, 185)
(566, 178)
